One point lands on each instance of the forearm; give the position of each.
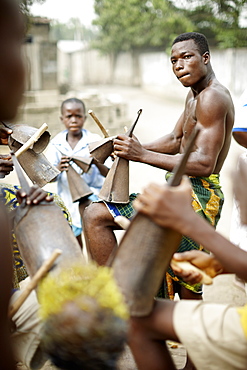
(102, 169)
(168, 144)
(194, 167)
(229, 255)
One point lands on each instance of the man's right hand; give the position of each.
(64, 164)
(4, 134)
(205, 262)
(6, 165)
(168, 206)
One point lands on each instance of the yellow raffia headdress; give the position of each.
(89, 280)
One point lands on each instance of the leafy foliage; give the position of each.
(138, 24)
(219, 20)
(143, 24)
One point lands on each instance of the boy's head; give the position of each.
(73, 115)
(11, 64)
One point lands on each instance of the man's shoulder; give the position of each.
(215, 95)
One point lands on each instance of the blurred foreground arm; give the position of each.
(171, 207)
(6, 358)
(206, 263)
(6, 165)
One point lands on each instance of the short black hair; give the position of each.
(73, 100)
(199, 39)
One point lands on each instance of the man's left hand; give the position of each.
(4, 134)
(35, 196)
(6, 165)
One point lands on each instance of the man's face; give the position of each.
(73, 117)
(188, 65)
(11, 64)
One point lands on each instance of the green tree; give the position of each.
(219, 20)
(134, 25)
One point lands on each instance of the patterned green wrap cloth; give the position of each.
(207, 201)
(8, 193)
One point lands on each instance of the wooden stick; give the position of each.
(20, 174)
(32, 140)
(44, 269)
(122, 222)
(187, 266)
(102, 128)
(130, 131)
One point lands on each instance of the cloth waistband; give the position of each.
(213, 179)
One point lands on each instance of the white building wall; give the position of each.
(152, 70)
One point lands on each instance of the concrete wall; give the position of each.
(149, 70)
(41, 64)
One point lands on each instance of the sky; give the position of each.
(64, 10)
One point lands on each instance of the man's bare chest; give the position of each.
(189, 116)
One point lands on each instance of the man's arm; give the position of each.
(210, 118)
(4, 134)
(203, 261)
(171, 207)
(240, 137)
(6, 360)
(130, 148)
(170, 143)
(6, 164)
(103, 169)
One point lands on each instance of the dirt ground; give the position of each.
(160, 112)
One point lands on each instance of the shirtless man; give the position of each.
(209, 107)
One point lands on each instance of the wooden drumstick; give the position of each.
(102, 128)
(28, 144)
(40, 274)
(187, 266)
(122, 221)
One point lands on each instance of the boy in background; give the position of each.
(73, 141)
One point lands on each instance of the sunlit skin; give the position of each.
(208, 106)
(240, 137)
